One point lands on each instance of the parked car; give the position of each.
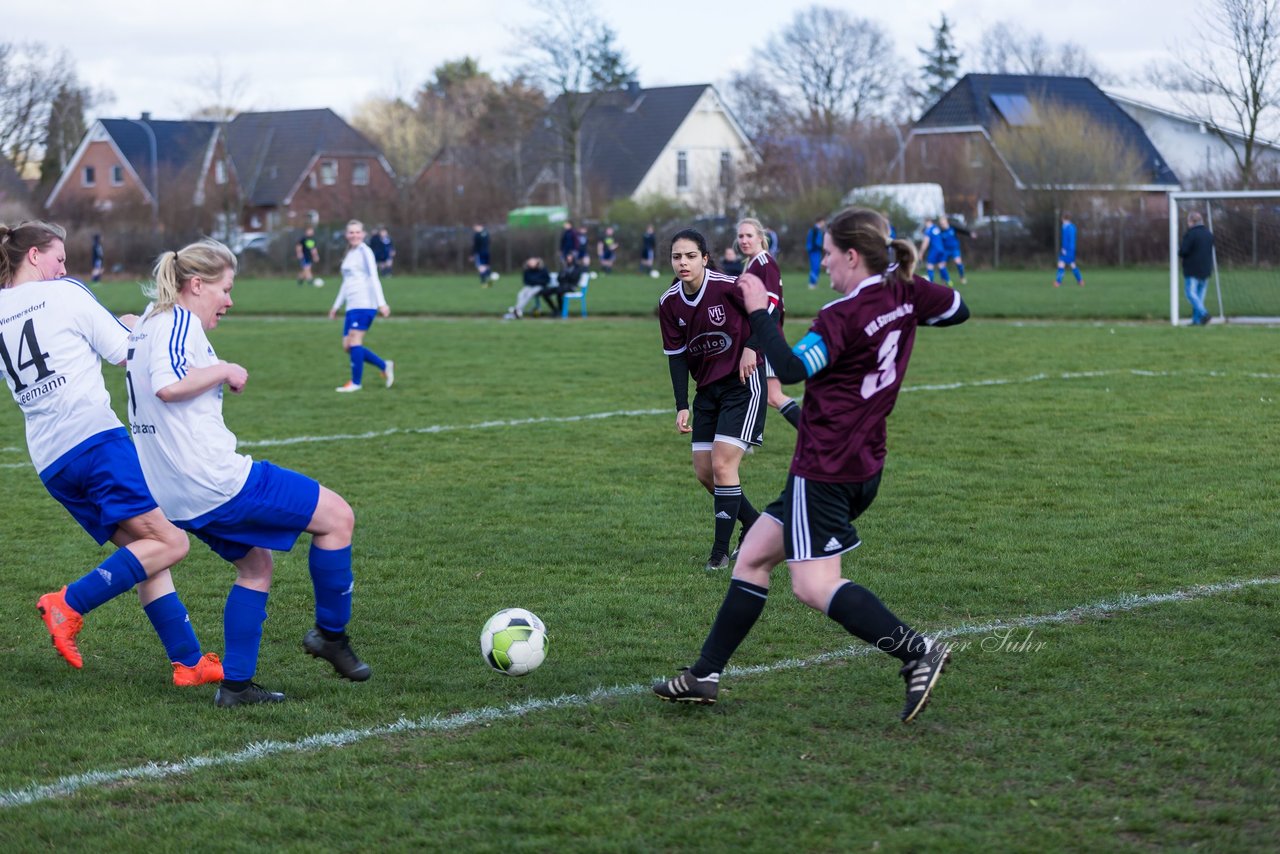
(1009, 228)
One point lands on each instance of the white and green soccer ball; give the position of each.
(494, 276)
(514, 641)
(318, 282)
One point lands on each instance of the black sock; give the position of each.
(738, 613)
(330, 636)
(235, 684)
(727, 501)
(864, 616)
(747, 514)
(791, 411)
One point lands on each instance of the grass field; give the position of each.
(1082, 500)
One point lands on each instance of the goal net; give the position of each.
(1245, 284)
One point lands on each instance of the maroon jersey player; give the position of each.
(853, 358)
(705, 334)
(754, 245)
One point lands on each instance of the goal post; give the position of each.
(1245, 286)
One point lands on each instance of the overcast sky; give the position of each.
(324, 53)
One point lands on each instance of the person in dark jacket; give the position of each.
(1196, 253)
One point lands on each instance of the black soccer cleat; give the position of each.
(687, 688)
(338, 653)
(921, 675)
(225, 698)
(717, 561)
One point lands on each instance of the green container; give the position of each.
(537, 216)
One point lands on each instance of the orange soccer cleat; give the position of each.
(208, 669)
(63, 623)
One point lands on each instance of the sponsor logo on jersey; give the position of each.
(709, 344)
(716, 313)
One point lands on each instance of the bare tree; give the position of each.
(841, 69)
(31, 76)
(1009, 49)
(571, 55)
(1231, 75)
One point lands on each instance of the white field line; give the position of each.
(65, 786)
(633, 413)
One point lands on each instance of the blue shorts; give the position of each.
(101, 483)
(1067, 258)
(936, 259)
(358, 318)
(271, 511)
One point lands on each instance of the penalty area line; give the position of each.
(70, 785)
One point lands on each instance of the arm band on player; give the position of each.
(788, 367)
(679, 379)
(959, 314)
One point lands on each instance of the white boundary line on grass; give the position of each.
(633, 413)
(65, 786)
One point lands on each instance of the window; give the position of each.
(311, 180)
(360, 173)
(682, 170)
(726, 170)
(328, 172)
(117, 176)
(88, 177)
(220, 172)
(1015, 109)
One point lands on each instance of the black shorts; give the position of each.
(817, 518)
(730, 411)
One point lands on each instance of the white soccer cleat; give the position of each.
(347, 388)
(390, 373)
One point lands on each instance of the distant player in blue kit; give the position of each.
(241, 508)
(813, 245)
(1067, 256)
(951, 250)
(933, 252)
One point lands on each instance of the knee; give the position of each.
(726, 472)
(178, 544)
(810, 594)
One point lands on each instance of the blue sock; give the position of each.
(931, 272)
(1058, 279)
(374, 359)
(169, 618)
(946, 276)
(1075, 271)
(960, 270)
(242, 619)
(333, 580)
(115, 575)
(357, 364)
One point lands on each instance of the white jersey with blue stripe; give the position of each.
(187, 453)
(53, 336)
(361, 287)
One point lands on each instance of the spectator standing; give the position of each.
(480, 253)
(1067, 255)
(730, 263)
(648, 249)
(582, 249)
(307, 255)
(813, 245)
(773, 246)
(361, 291)
(96, 274)
(607, 249)
(568, 243)
(1196, 252)
(384, 251)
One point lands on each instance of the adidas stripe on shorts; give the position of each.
(729, 410)
(817, 518)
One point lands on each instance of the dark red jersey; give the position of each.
(856, 353)
(766, 268)
(710, 327)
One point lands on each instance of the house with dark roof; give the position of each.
(957, 143)
(299, 167)
(679, 142)
(127, 165)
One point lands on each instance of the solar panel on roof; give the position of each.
(1015, 109)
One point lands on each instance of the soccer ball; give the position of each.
(319, 283)
(493, 277)
(514, 642)
(653, 274)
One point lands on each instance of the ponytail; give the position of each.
(206, 259)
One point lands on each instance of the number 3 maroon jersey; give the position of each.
(867, 337)
(710, 327)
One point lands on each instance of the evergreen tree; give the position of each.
(63, 132)
(941, 65)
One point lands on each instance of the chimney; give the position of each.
(633, 88)
(146, 117)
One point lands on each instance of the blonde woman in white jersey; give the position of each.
(53, 337)
(240, 508)
(361, 291)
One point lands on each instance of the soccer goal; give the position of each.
(1245, 287)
